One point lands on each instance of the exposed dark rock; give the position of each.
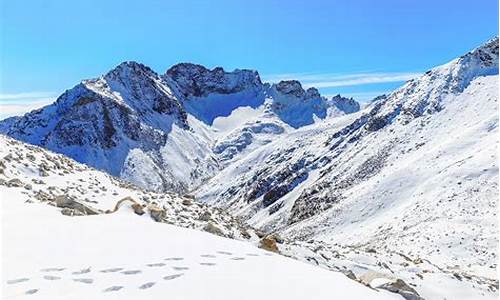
(291, 87)
(350, 274)
(157, 213)
(15, 182)
(196, 80)
(71, 212)
(347, 105)
(210, 227)
(67, 202)
(400, 287)
(205, 216)
(271, 196)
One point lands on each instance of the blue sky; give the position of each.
(360, 48)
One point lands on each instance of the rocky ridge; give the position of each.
(132, 120)
(415, 172)
(78, 190)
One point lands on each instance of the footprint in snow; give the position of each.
(180, 268)
(83, 271)
(207, 264)
(174, 258)
(113, 288)
(52, 269)
(252, 254)
(111, 270)
(238, 258)
(224, 252)
(84, 280)
(170, 277)
(49, 277)
(131, 272)
(147, 285)
(208, 256)
(12, 281)
(31, 292)
(156, 265)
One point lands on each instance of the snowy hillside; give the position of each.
(39, 176)
(158, 131)
(401, 195)
(414, 173)
(53, 218)
(124, 257)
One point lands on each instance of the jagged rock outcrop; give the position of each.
(290, 87)
(294, 105)
(118, 123)
(197, 81)
(135, 124)
(346, 105)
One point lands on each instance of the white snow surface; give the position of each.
(48, 255)
(53, 247)
(405, 189)
(413, 174)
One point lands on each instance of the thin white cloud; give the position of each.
(336, 80)
(15, 104)
(26, 96)
(361, 96)
(11, 108)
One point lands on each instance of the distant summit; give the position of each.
(156, 130)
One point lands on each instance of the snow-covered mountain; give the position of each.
(54, 218)
(158, 131)
(414, 173)
(402, 194)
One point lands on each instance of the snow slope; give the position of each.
(406, 188)
(42, 176)
(123, 257)
(414, 173)
(49, 255)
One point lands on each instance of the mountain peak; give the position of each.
(290, 87)
(197, 81)
(312, 92)
(127, 68)
(347, 105)
(485, 55)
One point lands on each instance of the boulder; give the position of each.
(65, 201)
(42, 196)
(244, 233)
(15, 182)
(205, 216)
(210, 227)
(138, 209)
(71, 212)
(400, 287)
(269, 243)
(157, 213)
(350, 274)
